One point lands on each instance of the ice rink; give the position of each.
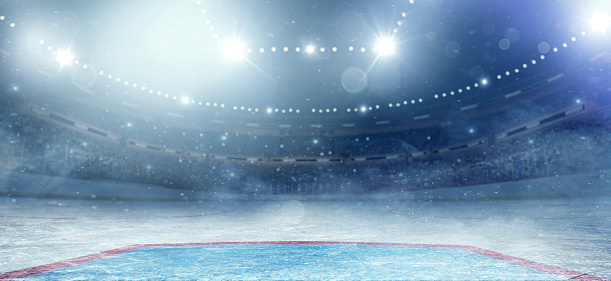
(562, 222)
(305, 140)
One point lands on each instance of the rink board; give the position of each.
(296, 260)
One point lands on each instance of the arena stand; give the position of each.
(37, 140)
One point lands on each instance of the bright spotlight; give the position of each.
(185, 100)
(309, 49)
(600, 21)
(386, 46)
(64, 57)
(484, 81)
(233, 50)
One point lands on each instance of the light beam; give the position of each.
(234, 50)
(600, 21)
(64, 57)
(386, 46)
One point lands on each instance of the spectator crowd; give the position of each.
(31, 145)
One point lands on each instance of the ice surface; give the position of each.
(297, 261)
(566, 223)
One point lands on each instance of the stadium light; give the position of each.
(64, 57)
(309, 49)
(600, 21)
(386, 46)
(233, 50)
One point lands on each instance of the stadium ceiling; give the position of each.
(298, 58)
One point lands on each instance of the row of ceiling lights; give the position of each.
(599, 23)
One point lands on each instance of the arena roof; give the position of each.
(337, 62)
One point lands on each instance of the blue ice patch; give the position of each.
(296, 261)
